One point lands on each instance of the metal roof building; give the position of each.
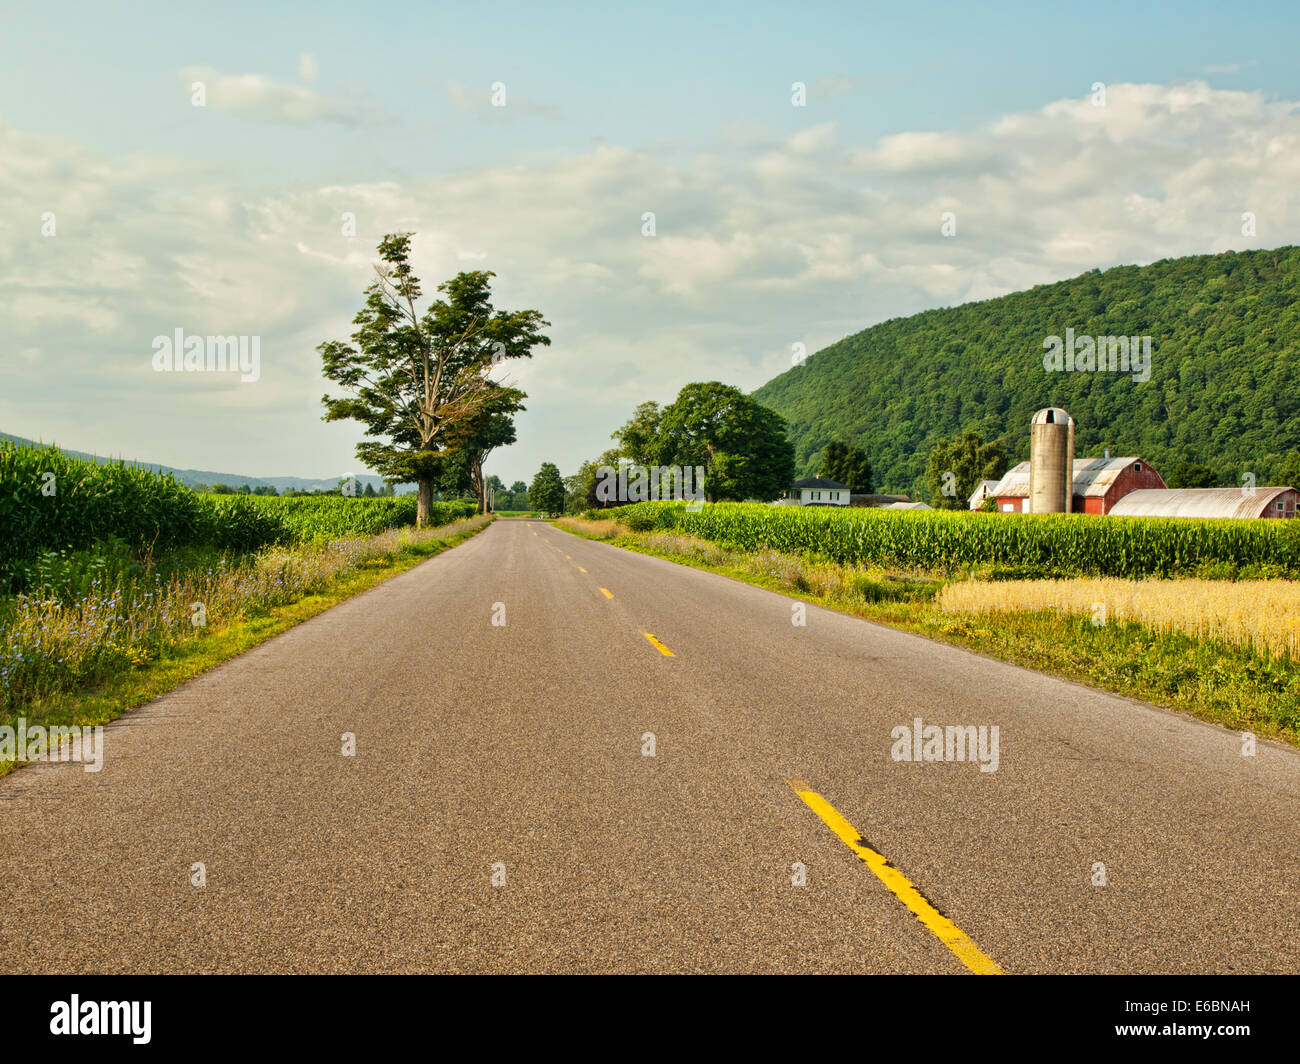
(1098, 484)
(1209, 502)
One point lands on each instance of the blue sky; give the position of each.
(776, 224)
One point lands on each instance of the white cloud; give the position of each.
(798, 240)
(468, 100)
(255, 96)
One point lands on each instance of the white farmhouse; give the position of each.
(816, 491)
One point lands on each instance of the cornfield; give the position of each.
(50, 502)
(1045, 544)
(1261, 614)
(306, 518)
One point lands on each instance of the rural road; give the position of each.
(482, 745)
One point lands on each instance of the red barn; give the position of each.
(1097, 484)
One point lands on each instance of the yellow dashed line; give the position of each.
(659, 646)
(607, 594)
(944, 929)
(581, 569)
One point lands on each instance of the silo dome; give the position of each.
(1052, 415)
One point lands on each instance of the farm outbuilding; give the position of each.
(1239, 503)
(982, 491)
(1098, 484)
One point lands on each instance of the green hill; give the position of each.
(200, 478)
(1224, 387)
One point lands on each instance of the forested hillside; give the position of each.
(1224, 387)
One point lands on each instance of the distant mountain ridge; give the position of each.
(200, 477)
(1224, 386)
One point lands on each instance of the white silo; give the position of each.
(1051, 462)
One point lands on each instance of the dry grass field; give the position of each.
(1262, 614)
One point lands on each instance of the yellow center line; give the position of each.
(607, 594)
(659, 646)
(944, 929)
(581, 569)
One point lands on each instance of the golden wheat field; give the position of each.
(1264, 614)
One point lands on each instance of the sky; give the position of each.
(1053, 138)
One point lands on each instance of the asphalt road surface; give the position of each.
(501, 814)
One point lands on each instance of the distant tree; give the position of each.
(265, 489)
(580, 489)
(518, 488)
(741, 445)
(546, 493)
(414, 379)
(638, 440)
(492, 426)
(222, 489)
(1289, 475)
(370, 492)
(1191, 475)
(847, 465)
(957, 466)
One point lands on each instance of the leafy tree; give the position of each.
(491, 427)
(971, 460)
(369, 493)
(847, 465)
(518, 488)
(1289, 475)
(580, 488)
(414, 378)
(222, 489)
(638, 440)
(741, 445)
(546, 493)
(1191, 475)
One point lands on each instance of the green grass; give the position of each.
(133, 686)
(1210, 679)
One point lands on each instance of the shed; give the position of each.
(1209, 502)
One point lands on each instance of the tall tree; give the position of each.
(415, 378)
(638, 440)
(546, 493)
(741, 445)
(491, 427)
(957, 465)
(848, 465)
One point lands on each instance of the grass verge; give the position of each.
(177, 664)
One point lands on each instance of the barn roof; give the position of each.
(1092, 476)
(1195, 502)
